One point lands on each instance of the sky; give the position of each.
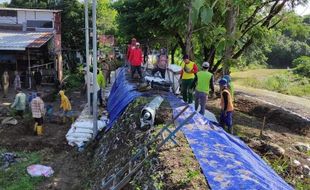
(301, 10)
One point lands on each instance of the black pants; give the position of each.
(162, 71)
(39, 120)
(134, 69)
(99, 94)
(20, 113)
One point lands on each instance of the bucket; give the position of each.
(39, 130)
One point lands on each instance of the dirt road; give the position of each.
(295, 105)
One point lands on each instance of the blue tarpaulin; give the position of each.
(226, 161)
(122, 94)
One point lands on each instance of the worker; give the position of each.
(136, 59)
(204, 83)
(162, 63)
(189, 69)
(230, 85)
(106, 71)
(65, 105)
(37, 78)
(130, 47)
(17, 83)
(5, 83)
(101, 83)
(38, 112)
(19, 103)
(227, 106)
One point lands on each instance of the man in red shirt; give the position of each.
(136, 59)
(131, 46)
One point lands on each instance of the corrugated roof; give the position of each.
(35, 10)
(12, 40)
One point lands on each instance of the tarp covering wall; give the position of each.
(122, 93)
(226, 161)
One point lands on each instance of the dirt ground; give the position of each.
(171, 167)
(52, 145)
(248, 128)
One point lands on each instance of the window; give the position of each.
(8, 13)
(39, 24)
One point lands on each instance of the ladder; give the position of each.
(123, 176)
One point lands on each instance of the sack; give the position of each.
(40, 170)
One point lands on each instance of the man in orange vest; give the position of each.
(227, 106)
(188, 75)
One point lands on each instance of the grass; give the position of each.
(16, 176)
(278, 80)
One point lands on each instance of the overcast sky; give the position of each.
(301, 10)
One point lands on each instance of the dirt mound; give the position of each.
(273, 114)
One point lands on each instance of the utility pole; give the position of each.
(95, 86)
(87, 52)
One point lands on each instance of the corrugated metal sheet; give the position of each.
(12, 40)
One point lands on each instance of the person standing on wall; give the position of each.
(38, 112)
(136, 59)
(189, 69)
(162, 63)
(227, 106)
(101, 83)
(204, 83)
(130, 47)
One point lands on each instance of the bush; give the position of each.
(73, 80)
(302, 66)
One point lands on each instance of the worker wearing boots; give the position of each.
(65, 105)
(188, 75)
(204, 85)
(227, 106)
(38, 111)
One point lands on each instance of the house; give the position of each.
(30, 39)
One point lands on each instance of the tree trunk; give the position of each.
(188, 39)
(173, 49)
(231, 23)
(181, 43)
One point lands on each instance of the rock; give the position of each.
(302, 147)
(296, 163)
(276, 149)
(306, 170)
(254, 143)
(9, 121)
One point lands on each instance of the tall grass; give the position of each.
(286, 83)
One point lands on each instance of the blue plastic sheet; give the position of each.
(226, 161)
(122, 94)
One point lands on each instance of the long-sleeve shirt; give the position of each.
(17, 82)
(136, 57)
(37, 108)
(19, 102)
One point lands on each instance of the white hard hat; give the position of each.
(205, 64)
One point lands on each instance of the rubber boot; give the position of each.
(35, 128)
(39, 130)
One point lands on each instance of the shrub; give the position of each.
(302, 66)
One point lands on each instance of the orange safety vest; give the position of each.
(230, 106)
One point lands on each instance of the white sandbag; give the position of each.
(40, 170)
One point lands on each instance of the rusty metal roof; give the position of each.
(34, 10)
(13, 40)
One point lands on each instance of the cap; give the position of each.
(205, 64)
(227, 78)
(185, 57)
(137, 44)
(223, 82)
